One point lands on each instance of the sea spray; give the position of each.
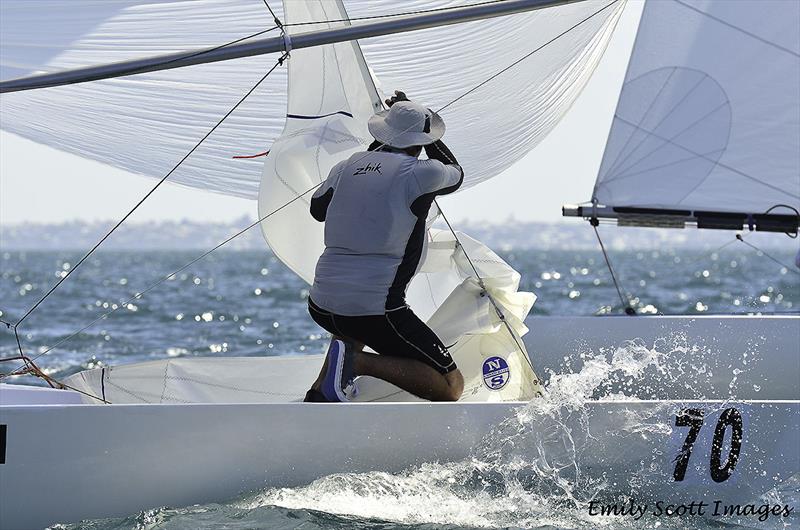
(530, 471)
(534, 470)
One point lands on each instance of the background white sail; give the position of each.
(146, 123)
(709, 115)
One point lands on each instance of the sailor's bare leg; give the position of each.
(411, 375)
(357, 346)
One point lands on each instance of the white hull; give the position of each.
(66, 462)
(764, 350)
(70, 462)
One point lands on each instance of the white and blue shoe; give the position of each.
(338, 382)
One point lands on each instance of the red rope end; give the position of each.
(265, 153)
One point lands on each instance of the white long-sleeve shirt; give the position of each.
(374, 205)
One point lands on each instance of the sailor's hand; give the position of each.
(399, 95)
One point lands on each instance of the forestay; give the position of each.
(709, 115)
(146, 123)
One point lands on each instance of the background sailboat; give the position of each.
(707, 127)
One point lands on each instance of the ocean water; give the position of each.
(246, 303)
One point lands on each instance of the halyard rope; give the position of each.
(29, 367)
(257, 222)
(485, 291)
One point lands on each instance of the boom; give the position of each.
(278, 44)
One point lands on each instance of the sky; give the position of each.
(39, 184)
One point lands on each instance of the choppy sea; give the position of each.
(246, 303)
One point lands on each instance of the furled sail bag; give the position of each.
(331, 95)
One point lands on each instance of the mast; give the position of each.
(279, 44)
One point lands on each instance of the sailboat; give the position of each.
(116, 440)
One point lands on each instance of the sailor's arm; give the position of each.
(320, 202)
(324, 194)
(438, 151)
(453, 174)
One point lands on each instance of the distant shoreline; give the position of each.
(189, 235)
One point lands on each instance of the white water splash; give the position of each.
(529, 472)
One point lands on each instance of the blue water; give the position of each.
(245, 303)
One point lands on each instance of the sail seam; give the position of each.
(730, 168)
(665, 142)
(644, 117)
(661, 121)
(737, 28)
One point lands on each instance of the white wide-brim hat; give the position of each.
(406, 124)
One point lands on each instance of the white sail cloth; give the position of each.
(146, 123)
(331, 96)
(464, 316)
(709, 115)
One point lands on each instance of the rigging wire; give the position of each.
(518, 61)
(61, 280)
(711, 254)
(278, 23)
(390, 15)
(215, 48)
(485, 291)
(152, 286)
(629, 310)
(297, 197)
(776, 260)
(149, 193)
(236, 41)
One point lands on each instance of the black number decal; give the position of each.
(692, 418)
(3, 436)
(729, 418)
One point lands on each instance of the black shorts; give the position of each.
(398, 333)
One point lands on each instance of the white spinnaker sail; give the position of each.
(331, 96)
(709, 115)
(146, 123)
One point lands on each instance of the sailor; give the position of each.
(374, 205)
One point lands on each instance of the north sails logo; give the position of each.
(495, 373)
(366, 169)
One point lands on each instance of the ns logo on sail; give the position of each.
(495, 373)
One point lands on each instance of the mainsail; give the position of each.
(707, 127)
(145, 123)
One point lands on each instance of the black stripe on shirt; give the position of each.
(319, 205)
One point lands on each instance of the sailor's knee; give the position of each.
(455, 393)
(455, 385)
(447, 394)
